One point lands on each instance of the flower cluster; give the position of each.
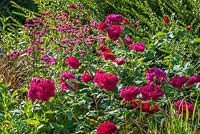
(129, 93)
(156, 76)
(41, 89)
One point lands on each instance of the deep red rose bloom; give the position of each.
(107, 127)
(128, 40)
(125, 21)
(178, 81)
(156, 76)
(182, 105)
(188, 28)
(129, 93)
(106, 81)
(107, 55)
(41, 89)
(73, 62)
(114, 32)
(135, 25)
(145, 107)
(103, 48)
(67, 78)
(140, 47)
(120, 61)
(166, 20)
(102, 26)
(86, 77)
(114, 19)
(193, 80)
(151, 92)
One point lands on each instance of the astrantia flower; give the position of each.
(41, 89)
(182, 106)
(114, 19)
(166, 20)
(48, 59)
(107, 127)
(114, 32)
(86, 77)
(129, 93)
(145, 107)
(67, 81)
(73, 62)
(156, 76)
(106, 81)
(152, 92)
(178, 81)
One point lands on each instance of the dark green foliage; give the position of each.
(6, 8)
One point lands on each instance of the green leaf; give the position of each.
(33, 122)
(197, 40)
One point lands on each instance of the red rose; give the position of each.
(107, 55)
(151, 92)
(145, 107)
(102, 26)
(114, 32)
(41, 89)
(73, 62)
(107, 127)
(129, 93)
(120, 61)
(103, 48)
(65, 79)
(156, 76)
(140, 47)
(178, 81)
(106, 81)
(166, 20)
(182, 106)
(86, 77)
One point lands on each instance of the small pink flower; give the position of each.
(121, 61)
(102, 26)
(140, 47)
(103, 48)
(114, 19)
(135, 25)
(73, 62)
(107, 55)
